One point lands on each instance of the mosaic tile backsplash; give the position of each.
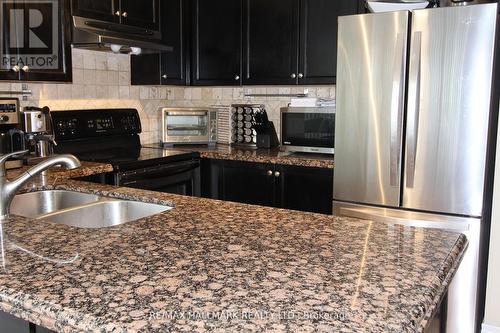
(102, 80)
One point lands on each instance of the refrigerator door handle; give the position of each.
(397, 108)
(413, 107)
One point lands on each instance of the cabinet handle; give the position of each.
(124, 14)
(25, 68)
(293, 76)
(117, 13)
(15, 68)
(164, 76)
(301, 75)
(236, 77)
(269, 173)
(276, 174)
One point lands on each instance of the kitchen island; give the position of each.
(212, 265)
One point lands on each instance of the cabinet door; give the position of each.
(11, 40)
(105, 10)
(270, 41)
(41, 52)
(304, 188)
(141, 13)
(145, 69)
(174, 33)
(318, 38)
(216, 42)
(167, 67)
(53, 57)
(246, 182)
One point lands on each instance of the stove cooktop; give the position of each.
(128, 159)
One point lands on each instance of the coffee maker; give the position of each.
(37, 124)
(11, 136)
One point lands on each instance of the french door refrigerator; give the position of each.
(414, 99)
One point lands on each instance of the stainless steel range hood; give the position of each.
(113, 37)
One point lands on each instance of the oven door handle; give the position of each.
(171, 168)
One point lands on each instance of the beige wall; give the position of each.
(102, 80)
(492, 315)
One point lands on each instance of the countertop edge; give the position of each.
(453, 261)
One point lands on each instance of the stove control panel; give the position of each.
(69, 125)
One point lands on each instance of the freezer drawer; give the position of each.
(370, 104)
(449, 98)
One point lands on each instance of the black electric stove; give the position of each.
(112, 136)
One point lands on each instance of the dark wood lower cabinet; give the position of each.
(283, 186)
(304, 188)
(12, 324)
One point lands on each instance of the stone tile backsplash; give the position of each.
(102, 80)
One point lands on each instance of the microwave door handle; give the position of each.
(413, 107)
(397, 109)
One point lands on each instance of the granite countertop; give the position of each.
(223, 266)
(226, 152)
(86, 169)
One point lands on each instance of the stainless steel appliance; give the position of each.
(419, 160)
(112, 136)
(37, 124)
(11, 137)
(189, 126)
(308, 129)
(93, 34)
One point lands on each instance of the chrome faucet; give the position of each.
(8, 189)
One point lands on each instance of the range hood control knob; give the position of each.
(4, 119)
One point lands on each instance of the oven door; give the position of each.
(306, 130)
(186, 126)
(180, 178)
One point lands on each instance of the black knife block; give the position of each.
(267, 137)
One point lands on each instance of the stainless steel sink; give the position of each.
(34, 204)
(80, 209)
(106, 213)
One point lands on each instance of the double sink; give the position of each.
(81, 209)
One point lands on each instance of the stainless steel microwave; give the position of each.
(308, 129)
(189, 126)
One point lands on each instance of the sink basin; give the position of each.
(34, 204)
(81, 209)
(105, 213)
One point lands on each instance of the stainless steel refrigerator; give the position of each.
(414, 98)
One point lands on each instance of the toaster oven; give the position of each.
(189, 126)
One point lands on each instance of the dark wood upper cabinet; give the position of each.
(38, 54)
(168, 67)
(9, 54)
(216, 58)
(270, 41)
(175, 32)
(105, 10)
(318, 39)
(141, 13)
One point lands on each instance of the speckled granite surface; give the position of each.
(226, 152)
(87, 169)
(219, 266)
